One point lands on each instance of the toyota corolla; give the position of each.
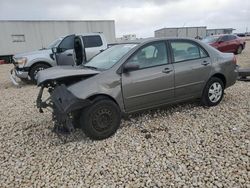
(132, 77)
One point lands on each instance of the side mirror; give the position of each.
(130, 67)
(54, 50)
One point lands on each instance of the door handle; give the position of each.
(205, 63)
(69, 54)
(167, 70)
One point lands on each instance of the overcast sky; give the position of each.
(140, 17)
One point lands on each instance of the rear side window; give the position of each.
(203, 53)
(184, 51)
(67, 43)
(92, 41)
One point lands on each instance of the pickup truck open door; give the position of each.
(64, 52)
(79, 51)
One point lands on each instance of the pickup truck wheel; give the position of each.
(213, 92)
(239, 50)
(35, 69)
(26, 81)
(100, 120)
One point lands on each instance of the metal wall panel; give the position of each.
(191, 32)
(181, 32)
(39, 34)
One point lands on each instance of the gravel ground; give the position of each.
(244, 58)
(180, 146)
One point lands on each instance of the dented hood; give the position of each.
(58, 72)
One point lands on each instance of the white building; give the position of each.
(191, 32)
(23, 36)
(219, 31)
(127, 37)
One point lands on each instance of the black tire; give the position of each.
(35, 69)
(239, 49)
(100, 120)
(209, 99)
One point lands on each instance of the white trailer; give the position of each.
(23, 36)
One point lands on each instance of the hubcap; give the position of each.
(102, 119)
(215, 92)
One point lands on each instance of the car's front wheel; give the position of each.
(213, 92)
(100, 120)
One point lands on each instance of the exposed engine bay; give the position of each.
(63, 103)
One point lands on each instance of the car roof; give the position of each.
(89, 34)
(82, 34)
(152, 39)
(220, 35)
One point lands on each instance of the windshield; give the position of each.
(110, 56)
(54, 43)
(210, 39)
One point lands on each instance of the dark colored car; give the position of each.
(226, 43)
(127, 78)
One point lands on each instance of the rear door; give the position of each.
(153, 83)
(192, 67)
(64, 56)
(93, 45)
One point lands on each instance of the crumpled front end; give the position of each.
(63, 103)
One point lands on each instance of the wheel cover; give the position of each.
(215, 92)
(102, 119)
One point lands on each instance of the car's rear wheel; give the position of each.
(213, 92)
(35, 69)
(100, 120)
(239, 50)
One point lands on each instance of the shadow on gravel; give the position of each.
(60, 138)
(153, 114)
(77, 135)
(168, 109)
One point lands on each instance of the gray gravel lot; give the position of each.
(244, 58)
(183, 145)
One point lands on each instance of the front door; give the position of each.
(192, 67)
(64, 56)
(153, 83)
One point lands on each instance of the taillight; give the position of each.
(234, 60)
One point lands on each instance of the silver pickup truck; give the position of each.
(59, 52)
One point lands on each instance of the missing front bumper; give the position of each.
(63, 104)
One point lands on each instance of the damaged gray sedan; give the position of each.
(132, 77)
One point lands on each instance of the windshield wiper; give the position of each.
(90, 67)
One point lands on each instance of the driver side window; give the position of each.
(67, 43)
(149, 56)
